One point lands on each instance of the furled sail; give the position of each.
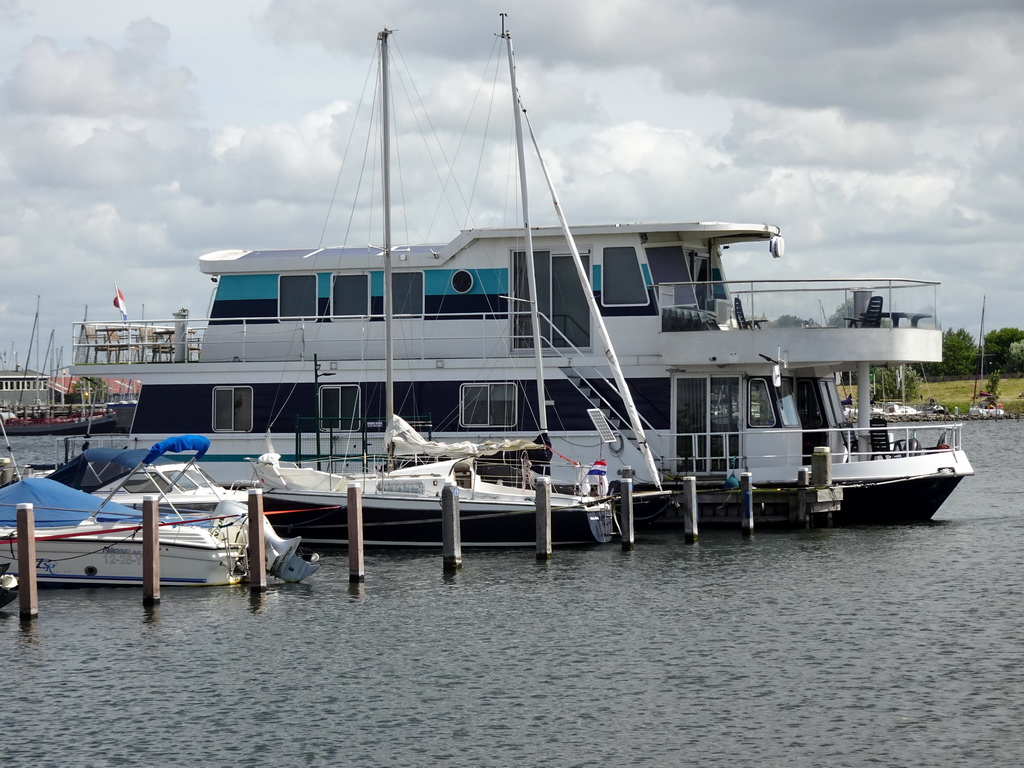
(406, 441)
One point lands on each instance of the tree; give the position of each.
(838, 318)
(792, 321)
(899, 383)
(959, 353)
(997, 347)
(1015, 358)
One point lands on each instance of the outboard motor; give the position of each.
(283, 558)
(8, 586)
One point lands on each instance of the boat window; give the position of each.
(807, 404)
(339, 408)
(488, 405)
(407, 293)
(297, 296)
(350, 295)
(143, 482)
(562, 305)
(232, 409)
(669, 269)
(725, 418)
(186, 481)
(622, 281)
(787, 404)
(760, 413)
(833, 403)
(462, 281)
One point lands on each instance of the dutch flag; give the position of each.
(119, 302)
(597, 478)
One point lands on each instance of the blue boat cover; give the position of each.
(178, 444)
(55, 504)
(96, 467)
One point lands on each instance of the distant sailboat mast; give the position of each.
(981, 347)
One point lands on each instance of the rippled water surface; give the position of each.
(846, 647)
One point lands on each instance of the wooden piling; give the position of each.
(257, 546)
(28, 588)
(626, 509)
(690, 509)
(799, 512)
(821, 467)
(543, 517)
(354, 502)
(451, 528)
(747, 508)
(150, 550)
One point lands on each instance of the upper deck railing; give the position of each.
(683, 307)
(797, 303)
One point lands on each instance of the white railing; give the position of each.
(805, 303)
(712, 452)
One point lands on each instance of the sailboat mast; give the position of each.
(385, 133)
(531, 274)
(981, 349)
(602, 329)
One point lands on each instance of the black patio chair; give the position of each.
(870, 317)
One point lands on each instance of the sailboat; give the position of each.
(987, 405)
(401, 505)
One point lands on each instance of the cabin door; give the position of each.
(812, 417)
(706, 423)
(563, 308)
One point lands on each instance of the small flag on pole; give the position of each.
(597, 478)
(119, 302)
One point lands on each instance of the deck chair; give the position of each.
(880, 448)
(870, 317)
(741, 319)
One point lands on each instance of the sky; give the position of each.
(884, 138)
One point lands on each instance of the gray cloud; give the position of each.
(883, 137)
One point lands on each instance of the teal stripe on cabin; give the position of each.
(646, 270)
(438, 282)
(237, 287)
(596, 278)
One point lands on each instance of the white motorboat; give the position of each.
(126, 475)
(82, 541)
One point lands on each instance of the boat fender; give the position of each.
(731, 483)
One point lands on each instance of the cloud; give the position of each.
(101, 81)
(883, 137)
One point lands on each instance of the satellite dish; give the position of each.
(777, 246)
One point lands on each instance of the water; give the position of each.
(846, 647)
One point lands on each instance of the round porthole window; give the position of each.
(90, 570)
(462, 281)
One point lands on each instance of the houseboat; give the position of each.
(727, 376)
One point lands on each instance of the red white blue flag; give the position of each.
(119, 302)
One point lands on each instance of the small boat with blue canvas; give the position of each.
(81, 540)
